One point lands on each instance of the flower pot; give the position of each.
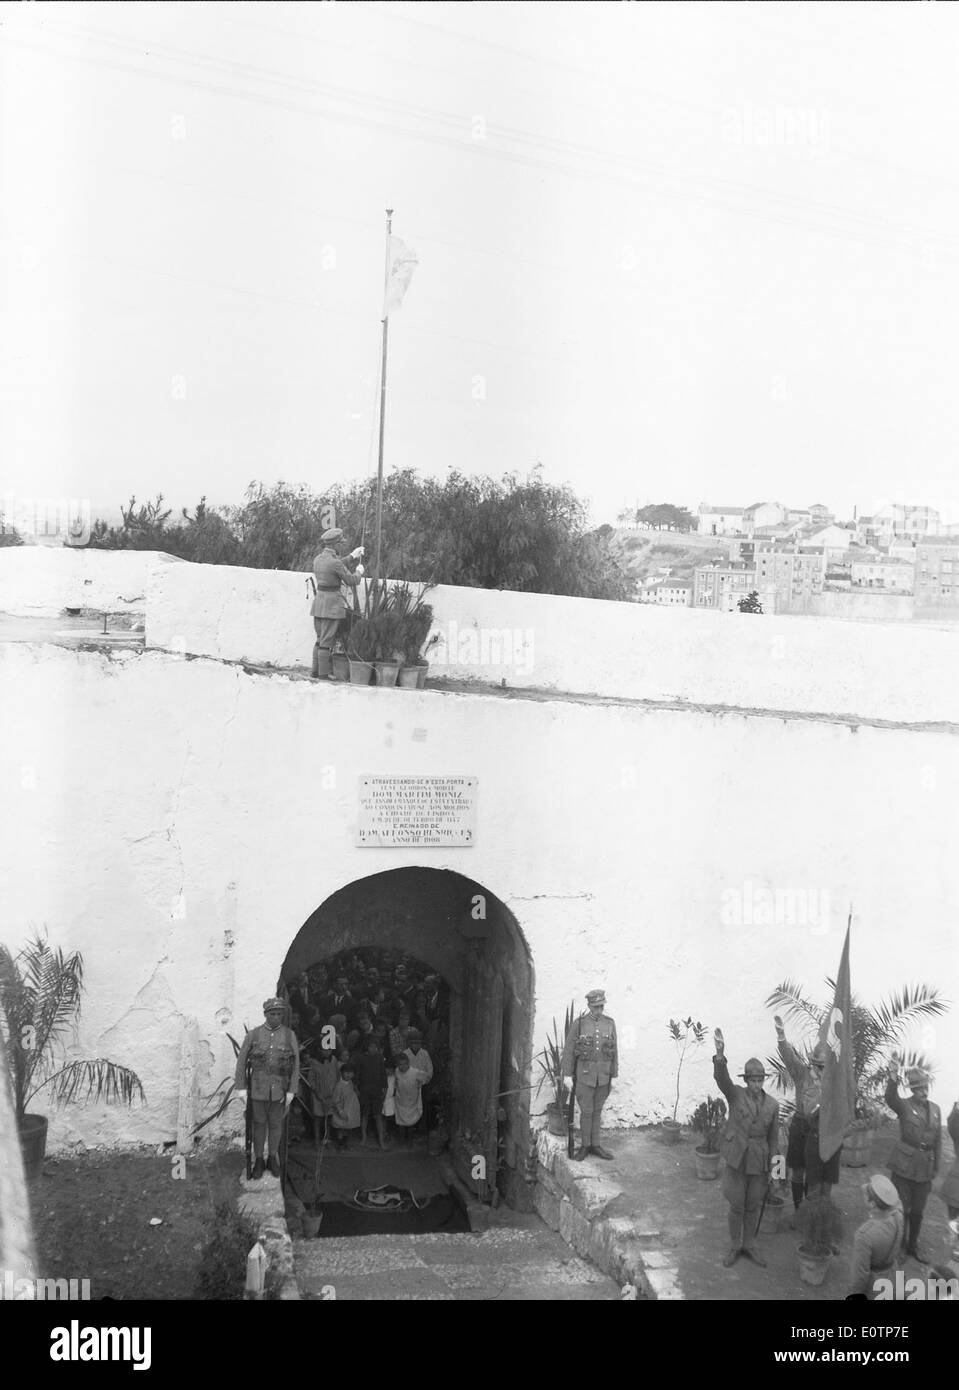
(855, 1149)
(556, 1121)
(421, 675)
(386, 672)
(813, 1268)
(409, 678)
(361, 672)
(311, 1225)
(341, 666)
(33, 1144)
(707, 1165)
(671, 1131)
(771, 1223)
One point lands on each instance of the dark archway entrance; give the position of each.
(472, 940)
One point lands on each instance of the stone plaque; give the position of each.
(417, 812)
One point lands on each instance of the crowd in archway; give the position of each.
(373, 1027)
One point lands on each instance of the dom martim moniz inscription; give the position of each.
(417, 812)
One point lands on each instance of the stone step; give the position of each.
(505, 1263)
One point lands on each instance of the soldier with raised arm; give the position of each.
(915, 1159)
(749, 1141)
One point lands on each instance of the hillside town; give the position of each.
(899, 564)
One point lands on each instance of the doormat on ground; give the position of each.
(391, 1211)
(384, 1199)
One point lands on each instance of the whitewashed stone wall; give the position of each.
(619, 650)
(175, 820)
(39, 581)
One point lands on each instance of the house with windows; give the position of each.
(719, 521)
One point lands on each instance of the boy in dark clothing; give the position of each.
(371, 1088)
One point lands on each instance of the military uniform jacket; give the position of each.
(949, 1192)
(751, 1132)
(274, 1062)
(874, 1248)
(329, 572)
(916, 1156)
(591, 1043)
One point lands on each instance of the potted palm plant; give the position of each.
(875, 1032)
(707, 1121)
(820, 1224)
(40, 992)
(417, 619)
(550, 1062)
(684, 1034)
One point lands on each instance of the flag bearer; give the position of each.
(329, 606)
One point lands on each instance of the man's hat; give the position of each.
(596, 996)
(273, 1003)
(882, 1190)
(335, 533)
(754, 1068)
(915, 1076)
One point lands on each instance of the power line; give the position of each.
(724, 187)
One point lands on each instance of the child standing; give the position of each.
(346, 1107)
(407, 1098)
(323, 1076)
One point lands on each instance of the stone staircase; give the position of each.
(523, 1261)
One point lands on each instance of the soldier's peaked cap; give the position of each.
(753, 1068)
(883, 1190)
(335, 533)
(596, 996)
(273, 1003)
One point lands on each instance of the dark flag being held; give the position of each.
(838, 1107)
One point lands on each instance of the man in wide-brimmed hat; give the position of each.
(749, 1142)
(274, 1056)
(329, 605)
(876, 1242)
(915, 1159)
(807, 1171)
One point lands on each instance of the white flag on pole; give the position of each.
(403, 261)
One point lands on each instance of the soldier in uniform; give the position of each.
(749, 1141)
(274, 1056)
(806, 1169)
(877, 1240)
(915, 1159)
(329, 605)
(591, 1043)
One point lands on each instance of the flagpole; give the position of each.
(379, 466)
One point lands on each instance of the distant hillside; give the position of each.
(646, 552)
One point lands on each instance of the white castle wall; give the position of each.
(179, 820)
(618, 650)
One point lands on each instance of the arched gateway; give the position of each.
(474, 943)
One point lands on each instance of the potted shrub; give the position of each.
(388, 628)
(707, 1121)
(361, 650)
(550, 1062)
(820, 1224)
(417, 618)
(875, 1033)
(685, 1034)
(40, 992)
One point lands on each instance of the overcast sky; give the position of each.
(672, 252)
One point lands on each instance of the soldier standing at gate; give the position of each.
(274, 1057)
(591, 1047)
